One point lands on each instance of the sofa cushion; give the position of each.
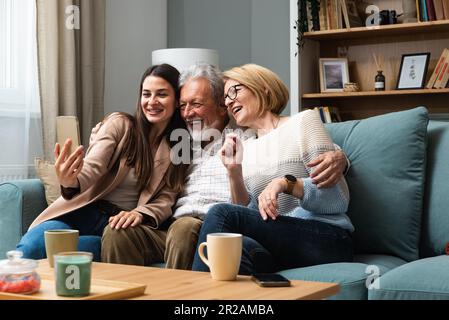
(435, 226)
(424, 279)
(383, 262)
(20, 203)
(350, 276)
(46, 172)
(386, 180)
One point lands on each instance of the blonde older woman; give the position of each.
(275, 201)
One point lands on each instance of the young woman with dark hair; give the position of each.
(126, 180)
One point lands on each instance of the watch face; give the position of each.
(291, 178)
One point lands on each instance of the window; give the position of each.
(20, 123)
(18, 66)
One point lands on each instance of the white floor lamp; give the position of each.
(182, 58)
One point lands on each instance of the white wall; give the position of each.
(134, 28)
(270, 37)
(223, 25)
(242, 31)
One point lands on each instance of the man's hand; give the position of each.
(124, 219)
(328, 168)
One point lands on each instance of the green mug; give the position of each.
(73, 273)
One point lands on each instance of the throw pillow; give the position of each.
(46, 172)
(386, 180)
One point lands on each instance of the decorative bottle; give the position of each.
(379, 84)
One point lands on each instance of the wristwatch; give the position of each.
(291, 181)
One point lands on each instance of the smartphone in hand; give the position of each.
(68, 127)
(270, 280)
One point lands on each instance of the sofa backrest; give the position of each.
(435, 224)
(386, 180)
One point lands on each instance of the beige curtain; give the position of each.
(71, 64)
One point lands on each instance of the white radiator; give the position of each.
(17, 172)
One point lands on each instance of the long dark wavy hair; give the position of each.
(137, 149)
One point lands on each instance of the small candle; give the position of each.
(73, 273)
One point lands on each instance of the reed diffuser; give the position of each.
(379, 80)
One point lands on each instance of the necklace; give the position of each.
(262, 132)
(277, 123)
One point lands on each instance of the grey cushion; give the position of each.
(386, 180)
(435, 228)
(424, 279)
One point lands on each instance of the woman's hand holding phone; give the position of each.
(67, 165)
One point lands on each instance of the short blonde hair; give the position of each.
(271, 93)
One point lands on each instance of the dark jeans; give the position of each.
(289, 242)
(89, 220)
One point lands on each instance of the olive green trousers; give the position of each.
(174, 244)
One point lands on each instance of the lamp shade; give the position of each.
(182, 58)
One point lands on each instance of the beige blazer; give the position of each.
(104, 169)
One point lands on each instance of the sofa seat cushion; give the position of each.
(386, 180)
(425, 279)
(350, 276)
(383, 262)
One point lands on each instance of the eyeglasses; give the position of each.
(233, 91)
(194, 105)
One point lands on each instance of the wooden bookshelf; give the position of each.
(380, 31)
(358, 45)
(327, 95)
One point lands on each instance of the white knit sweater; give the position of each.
(287, 150)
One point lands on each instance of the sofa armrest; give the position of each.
(20, 203)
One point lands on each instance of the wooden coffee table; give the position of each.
(167, 284)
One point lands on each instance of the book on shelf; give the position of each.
(438, 6)
(338, 14)
(440, 78)
(430, 10)
(327, 114)
(335, 115)
(330, 14)
(344, 9)
(444, 76)
(323, 16)
(446, 8)
(424, 15)
(437, 69)
(418, 10)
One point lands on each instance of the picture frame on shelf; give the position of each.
(413, 71)
(353, 15)
(334, 74)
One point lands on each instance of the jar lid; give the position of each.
(16, 265)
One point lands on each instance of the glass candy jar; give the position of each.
(19, 275)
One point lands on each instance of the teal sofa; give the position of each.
(399, 186)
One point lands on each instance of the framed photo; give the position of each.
(353, 14)
(333, 74)
(413, 70)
